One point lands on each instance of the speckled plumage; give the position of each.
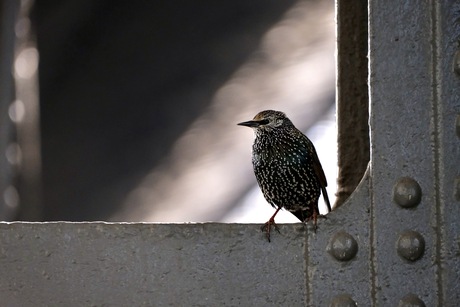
(287, 167)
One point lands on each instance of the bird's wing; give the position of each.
(321, 177)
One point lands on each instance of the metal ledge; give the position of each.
(124, 264)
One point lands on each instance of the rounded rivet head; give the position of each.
(343, 300)
(342, 246)
(411, 300)
(410, 245)
(407, 192)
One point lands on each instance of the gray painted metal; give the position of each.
(353, 149)
(98, 264)
(404, 215)
(330, 280)
(401, 92)
(414, 103)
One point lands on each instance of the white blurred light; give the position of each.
(26, 63)
(11, 197)
(13, 154)
(16, 111)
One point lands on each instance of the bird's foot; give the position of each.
(267, 228)
(314, 217)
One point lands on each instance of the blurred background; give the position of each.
(127, 110)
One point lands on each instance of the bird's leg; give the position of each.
(268, 225)
(314, 217)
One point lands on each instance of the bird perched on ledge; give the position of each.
(287, 168)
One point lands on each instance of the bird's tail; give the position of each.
(326, 199)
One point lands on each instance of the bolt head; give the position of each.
(407, 192)
(342, 246)
(410, 245)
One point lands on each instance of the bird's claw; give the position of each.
(267, 228)
(314, 217)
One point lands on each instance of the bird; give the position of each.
(287, 168)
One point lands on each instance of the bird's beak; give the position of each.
(251, 123)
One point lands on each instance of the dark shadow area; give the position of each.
(120, 81)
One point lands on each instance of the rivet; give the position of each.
(343, 300)
(407, 192)
(410, 245)
(411, 300)
(342, 246)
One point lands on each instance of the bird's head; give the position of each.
(267, 121)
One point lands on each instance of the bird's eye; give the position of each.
(263, 122)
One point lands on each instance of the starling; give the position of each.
(287, 167)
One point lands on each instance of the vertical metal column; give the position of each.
(446, 96)
(352, 95)
(394, 242)
(414, 152)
